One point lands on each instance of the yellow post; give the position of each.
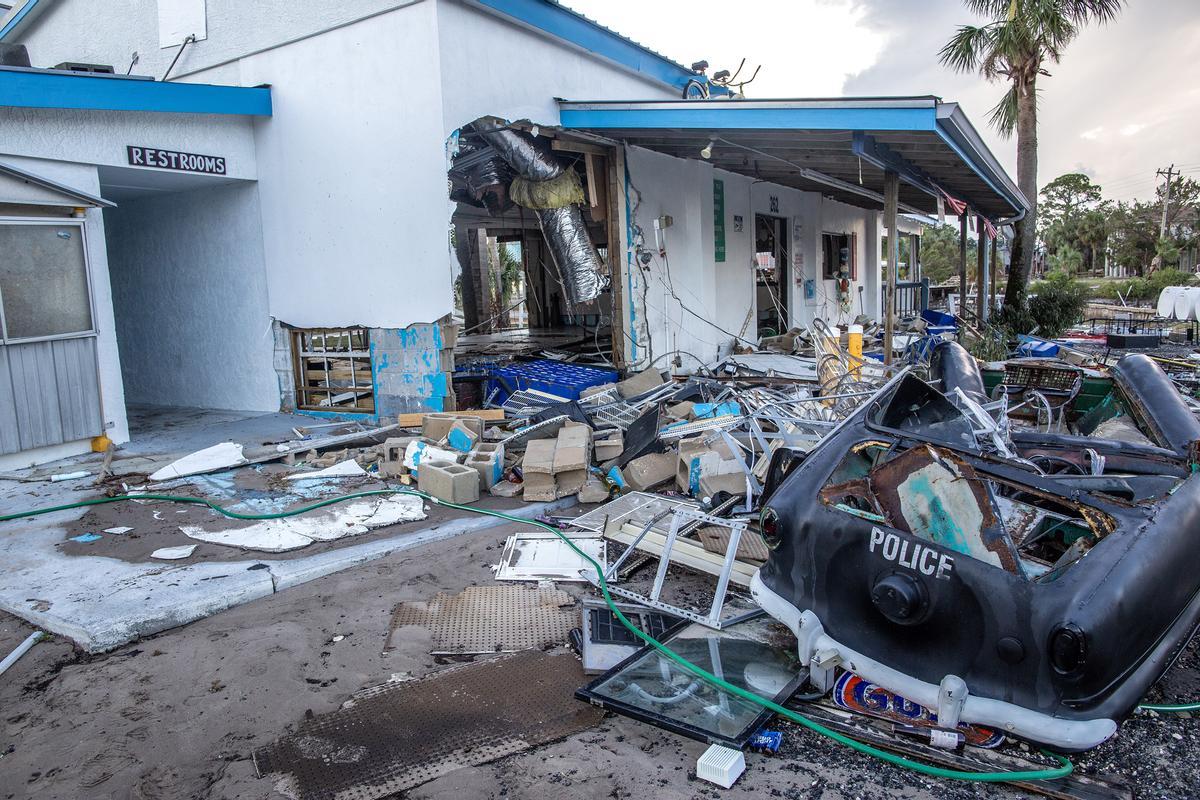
(855, 345)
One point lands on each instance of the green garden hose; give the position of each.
(1170, 709)
(1062, 770)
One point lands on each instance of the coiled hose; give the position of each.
(1063, 769)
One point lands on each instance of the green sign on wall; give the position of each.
(719, 219)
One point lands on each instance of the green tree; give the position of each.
(1072, 217)
(1066, 198)
(939, 254)
(1021, 37)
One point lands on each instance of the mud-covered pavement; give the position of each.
(177, 715)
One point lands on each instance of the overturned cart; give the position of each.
(979, 579)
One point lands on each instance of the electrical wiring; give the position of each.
(1064, 767)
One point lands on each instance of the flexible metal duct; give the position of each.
(563, 228)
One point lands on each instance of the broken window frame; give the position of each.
(308, 354)
(829, 269)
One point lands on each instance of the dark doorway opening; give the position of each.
(771, 259)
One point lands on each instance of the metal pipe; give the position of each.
(22, 648)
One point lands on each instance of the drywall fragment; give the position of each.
(225, 454)
(345, 469)
(174, 553)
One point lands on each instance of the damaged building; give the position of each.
(244, 216)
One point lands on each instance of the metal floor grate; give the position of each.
(491, 619)
(395, 736)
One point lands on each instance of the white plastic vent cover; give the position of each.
(721, 765)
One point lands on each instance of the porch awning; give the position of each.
(839, 147)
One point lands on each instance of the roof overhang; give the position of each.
(838, 147)
(53, 193)
(22, 87)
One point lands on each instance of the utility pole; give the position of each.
(1167, 173)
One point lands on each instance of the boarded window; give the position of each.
(333, 370)
(43, 280)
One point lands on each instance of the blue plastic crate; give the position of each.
(553, 377)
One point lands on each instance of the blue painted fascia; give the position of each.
(1017, 202)
(732, 115)
(563, 23)
(17, 18)
(23, 88)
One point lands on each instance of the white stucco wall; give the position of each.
(352, 174)
(703, 303)
(490, 65)
(100, 137)
(190, 295)
(235, 28)
(112, 394)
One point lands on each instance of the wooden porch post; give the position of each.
(994, 270)
(891, 199)
(981, 275)
(962, 264)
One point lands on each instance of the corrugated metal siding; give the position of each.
(54, 390)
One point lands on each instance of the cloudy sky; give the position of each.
(1124, 102)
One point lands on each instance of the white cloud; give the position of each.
(1132, 129)
(807, 48)
(1092, 134)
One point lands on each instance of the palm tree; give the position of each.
(1023, 35)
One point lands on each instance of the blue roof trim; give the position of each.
(47, 89)
(732, 115)
(17, 18)
(572, 27)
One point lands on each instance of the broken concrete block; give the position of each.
(436, 426)
(732, 482)
(570, 482)
(591, 391)
(681, 410)
(650, 470)
(462, 436)
(391, 464)
(506, 489)
(572, 451)
(539, 457)
(448, 481)
(642, 382)
(539, 486)
(488, 461)
(419, 451)
(609, 447)
(698, 458)
(594, 491)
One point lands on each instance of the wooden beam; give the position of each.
(995, 269)
(891, 199)
(981, 270)
(962, 265)
(567, 146)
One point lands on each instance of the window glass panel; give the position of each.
(43, 280)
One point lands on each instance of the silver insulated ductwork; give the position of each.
(562, 227)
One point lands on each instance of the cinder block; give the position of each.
(570, 482)
(572, 451)
(681, 410)
(594, 390)
(698, 460)
(488, 461)
(649, 471)
(610, 446)
(539, 486)
(594, 491)
(463, 436)
(436, 426)
(539, 457)
(448, 481)
(392, 451)
(642, 382)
